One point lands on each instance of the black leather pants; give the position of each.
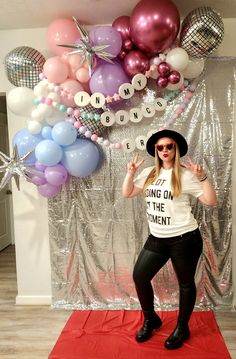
(184, 252)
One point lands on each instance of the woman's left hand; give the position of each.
(196, 169)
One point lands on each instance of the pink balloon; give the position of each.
(162, 81)
(128, 45)
(82, 75)
(70, 87)
(154, 25)
(122, 24)
(136, 62)
(61, 31)
(174, 77)
(55, 69)
(163, 69)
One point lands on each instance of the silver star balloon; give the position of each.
(15, 166)
(86, 49)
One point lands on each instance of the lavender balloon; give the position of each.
(107, 78)
(56, 175)
(107, 35)
(48, 190)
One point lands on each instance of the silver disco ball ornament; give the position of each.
(201, 32)
(23, 66)
(90, 118)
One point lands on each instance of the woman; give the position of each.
(174, 232)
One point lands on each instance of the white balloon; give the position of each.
(56, 116)
(174, 87)
(36, 115)
(194, 68)
(44, 109)
(177, 58)
(54, 96)
(41, 89)
(20, 101)
(34, 127)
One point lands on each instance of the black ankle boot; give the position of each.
(177, 338)
(150, 323)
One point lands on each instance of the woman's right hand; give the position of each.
(134, 165)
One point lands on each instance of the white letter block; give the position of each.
(135, 115)
(108, 118)
(141, 142)
(148, 110)
(128, 145)
(122, 117)
(126, 91)
(97, 100)
(82, 98)
(139, 81)
(160, 104)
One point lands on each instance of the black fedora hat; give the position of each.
(177, 137)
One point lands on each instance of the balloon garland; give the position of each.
(69, 98)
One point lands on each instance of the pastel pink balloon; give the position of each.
(70, 87)
(154, 25)
(61, 31)
(82, 75)
(136, 62)
(55, 69)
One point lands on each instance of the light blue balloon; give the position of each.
(64, 133)
(26, 142)
(81, 158)
(48, 152)
(47, 132)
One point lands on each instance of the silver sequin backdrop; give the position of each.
(96, 235)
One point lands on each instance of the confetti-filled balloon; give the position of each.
(23, 66)
(201, 32)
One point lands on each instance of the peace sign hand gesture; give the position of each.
(196, 169)
(133, 166)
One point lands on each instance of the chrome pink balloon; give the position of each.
(128, 45)
(122, 24)
(163, 69)
(135, 62)
(174, 77)
(162, 81)
(154, 25)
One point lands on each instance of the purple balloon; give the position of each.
(56, 175)
(107, 78)
(48, 190)
(38, 180)
(106, 35)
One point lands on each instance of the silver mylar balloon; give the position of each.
(23, 66)
(202, 31)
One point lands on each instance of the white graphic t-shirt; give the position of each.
(169, 216)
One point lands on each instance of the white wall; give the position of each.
(29, 208)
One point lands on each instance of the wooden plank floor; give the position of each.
(30, 332)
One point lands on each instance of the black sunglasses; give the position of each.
(169, 147)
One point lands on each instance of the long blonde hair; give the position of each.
(176, 173)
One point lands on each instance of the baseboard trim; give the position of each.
(33, 300)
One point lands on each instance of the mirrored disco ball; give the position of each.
(201, 32)
(92, 123)
(23, 66)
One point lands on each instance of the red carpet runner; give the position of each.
(109, 334)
